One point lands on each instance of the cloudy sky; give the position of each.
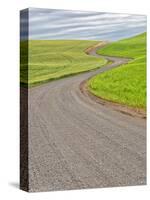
(65, 24)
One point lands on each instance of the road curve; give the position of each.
(76, 143)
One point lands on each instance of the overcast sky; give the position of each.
(66, 24)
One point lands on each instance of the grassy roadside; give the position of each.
(127, 84)
(54, 59)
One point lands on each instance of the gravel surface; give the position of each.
(76, 143)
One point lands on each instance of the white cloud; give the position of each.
(64, 24)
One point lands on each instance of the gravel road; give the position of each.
(76, 143)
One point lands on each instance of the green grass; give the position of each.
(53, 59)
(126, 84)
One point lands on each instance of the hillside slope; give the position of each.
(126, 84)
(53, 59)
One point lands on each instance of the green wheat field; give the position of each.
(125, 84)
(54, 59)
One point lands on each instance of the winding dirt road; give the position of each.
(77, 143)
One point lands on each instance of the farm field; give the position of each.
(82, 95)
(126, 84)
(53, 59)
